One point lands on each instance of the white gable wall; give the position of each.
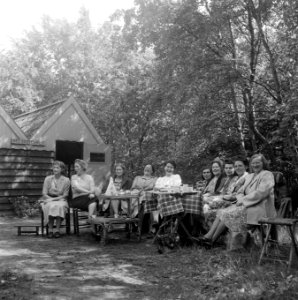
(6, 133)
(71, 127)
(97, 169)
(8, 130)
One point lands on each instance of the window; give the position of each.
(97, 157)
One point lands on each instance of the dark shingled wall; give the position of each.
(22, 173)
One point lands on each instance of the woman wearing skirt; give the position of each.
(54, 198)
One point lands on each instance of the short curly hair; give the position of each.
(60, 164)
(82, 164)
(171, 162)
(263, 159)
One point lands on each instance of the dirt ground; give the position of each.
(34, 267)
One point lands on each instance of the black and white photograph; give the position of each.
(149, 149)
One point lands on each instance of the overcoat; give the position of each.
(257, 196)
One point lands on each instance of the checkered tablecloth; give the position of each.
(192, 204)
(173, 204)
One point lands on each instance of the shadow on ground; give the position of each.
(34, 267)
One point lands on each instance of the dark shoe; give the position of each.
(57, 235)
(50, 235)
(96, 235)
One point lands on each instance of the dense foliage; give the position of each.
(184, 79)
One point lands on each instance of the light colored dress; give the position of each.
(257, 195)
(212, 203)
(54, 188)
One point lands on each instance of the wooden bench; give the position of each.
(102, 226)
(28, 229)
(290, 225)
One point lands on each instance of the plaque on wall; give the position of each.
(97, 157)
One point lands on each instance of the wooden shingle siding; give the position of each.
(24, 166)
(23, 152)
(22, 173)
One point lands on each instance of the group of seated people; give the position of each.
(234, 199)
(55, 195)
(232, 196)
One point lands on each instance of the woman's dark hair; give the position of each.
(218, 163)
(242, 159)
(82, 164)
(228, 162)
(172, 162)
(207, 168)
(263, 159)
(121, 165)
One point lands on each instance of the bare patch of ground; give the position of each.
(33, 267)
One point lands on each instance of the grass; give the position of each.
(79, 268)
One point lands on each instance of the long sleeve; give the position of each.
(177, 181)
(66, 188)
(262, 191)
(135, 184)
(46, 186)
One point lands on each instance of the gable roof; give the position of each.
(36, 123)
(12, 124)
(30, 122)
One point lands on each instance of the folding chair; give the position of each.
(271, 223)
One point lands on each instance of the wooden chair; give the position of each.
(271, 238)
(65, 224)
(80, 218)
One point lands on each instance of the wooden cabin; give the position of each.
(30, 142)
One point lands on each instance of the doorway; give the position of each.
(68, 152)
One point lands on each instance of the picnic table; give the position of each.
(172, 207)
(169, 203)
(102, 224)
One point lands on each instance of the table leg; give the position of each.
(128, 208)
(184, 228)
(140, 223)
(104, 235)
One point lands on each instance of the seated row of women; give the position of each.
(239, 200)
(232, 198)
(56, 191)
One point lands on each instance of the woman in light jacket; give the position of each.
(255, 200)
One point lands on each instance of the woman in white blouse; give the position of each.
(169, 180)
(82, 186)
